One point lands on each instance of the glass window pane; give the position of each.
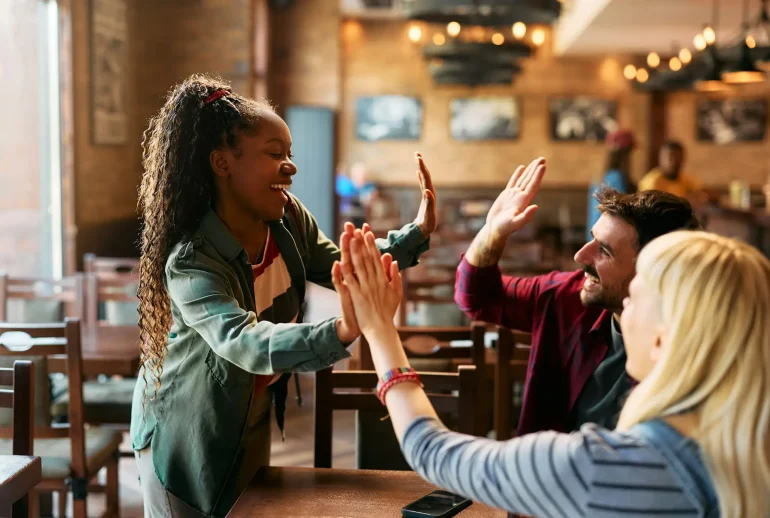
(30, 175)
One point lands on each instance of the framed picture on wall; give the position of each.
(388, 117)
(109, 68)
(582, 118)
(484, 118)
(724, 121)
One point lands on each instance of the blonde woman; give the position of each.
(694, 435)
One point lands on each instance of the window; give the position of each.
(30, 143)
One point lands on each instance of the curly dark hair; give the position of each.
(178, 188)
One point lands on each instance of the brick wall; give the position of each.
(305, 54)
(105, 177)
(168, 41)
(718, 165)
(378, 58)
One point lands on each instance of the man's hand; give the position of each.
(511, 211)
(426, 218)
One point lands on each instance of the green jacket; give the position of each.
(196, 420)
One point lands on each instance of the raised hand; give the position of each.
(513, 207)
(426, 218)
(511, 211)
(374, 292)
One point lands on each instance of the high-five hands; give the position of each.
(367, 281)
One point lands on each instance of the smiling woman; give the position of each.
(226, 254)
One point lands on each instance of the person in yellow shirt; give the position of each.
(668, 176)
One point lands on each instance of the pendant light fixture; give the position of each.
(762, 36)
(711, 81)
(744, 71)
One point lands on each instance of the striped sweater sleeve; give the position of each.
(543, 474)
(593, 472)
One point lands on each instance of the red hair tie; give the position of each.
(216, 95)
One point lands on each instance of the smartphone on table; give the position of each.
(438, 504)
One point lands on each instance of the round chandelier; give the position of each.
(483, 12)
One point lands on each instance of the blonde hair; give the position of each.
(715, 301)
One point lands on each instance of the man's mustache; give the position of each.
(590, 271)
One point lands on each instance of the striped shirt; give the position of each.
(273, 295)
(651, 470)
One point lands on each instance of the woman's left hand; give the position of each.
(375, 288)
(426, 218)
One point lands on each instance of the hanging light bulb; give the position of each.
(685, 56)
(498, 39)
(642, 75)
(439, 39)
(453, 29)
(675, 64)
(653, 60)
(700, 42)
(709, 35)
(629, 72)
(519, 30)
(744, 71)
(750, 41)
(415, 33)
(538, 37)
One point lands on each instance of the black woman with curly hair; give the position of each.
(226, 253)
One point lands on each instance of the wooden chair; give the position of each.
(71, 455)
(21, 398)
(68, 291)
(107, 401)
(510, 368)
(102, 289)
(426, 289)
(109, 265)
(356, 392)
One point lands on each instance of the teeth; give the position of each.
(280, 186)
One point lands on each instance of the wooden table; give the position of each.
(18, 476)
(110, 350)
(300, 492)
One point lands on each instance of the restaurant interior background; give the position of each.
(71, 188)
(363, 85)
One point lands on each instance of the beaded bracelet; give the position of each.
(393, 377)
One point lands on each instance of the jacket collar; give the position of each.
(214, 230)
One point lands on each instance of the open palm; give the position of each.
(513, 207)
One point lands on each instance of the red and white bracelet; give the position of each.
(394, 377)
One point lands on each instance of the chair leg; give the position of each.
(21, 508)
(112, 487)
(62, 504)
(79, 508)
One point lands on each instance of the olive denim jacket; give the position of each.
(196, 420)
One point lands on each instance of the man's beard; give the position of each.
(604, 297)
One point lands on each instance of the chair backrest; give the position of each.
(103, 288)
(354, 390)
(435, 343)
(511, 367)
(21, 398)
(69, 291)
(49, 341)
(109, 265)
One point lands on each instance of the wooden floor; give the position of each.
(297, 450)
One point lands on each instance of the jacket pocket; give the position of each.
(226, 373)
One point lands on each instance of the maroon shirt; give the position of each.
(569, 341)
